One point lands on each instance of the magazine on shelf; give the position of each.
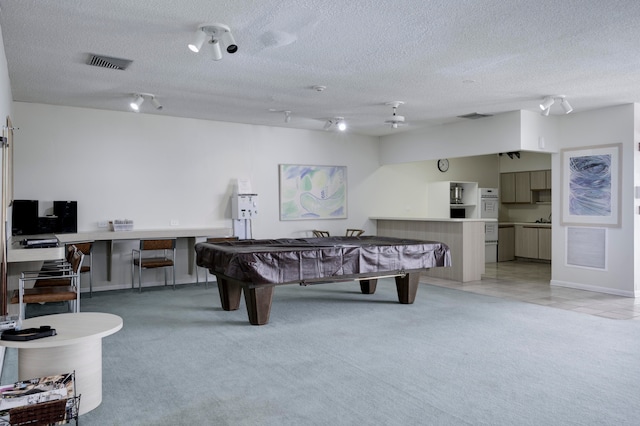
(38, 390)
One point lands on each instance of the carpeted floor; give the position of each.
(332, 356)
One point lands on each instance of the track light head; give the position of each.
(136, 102)
(229, 41)
(156, 104)
(198, 41)
(287, 116)
(566, 106)
(342, 126)
(216, 52)
(547, 102)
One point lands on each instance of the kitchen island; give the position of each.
(465, 238)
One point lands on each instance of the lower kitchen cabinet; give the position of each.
(533, 242)
(544, 243)
(506, 243)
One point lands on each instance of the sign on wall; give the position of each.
(313, 192)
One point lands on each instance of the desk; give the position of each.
(76, 347)
(17, 253)
(255, 267)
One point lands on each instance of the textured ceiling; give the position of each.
(443, 58)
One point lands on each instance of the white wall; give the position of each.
(403, 187)
(600, 127)
(154, 169)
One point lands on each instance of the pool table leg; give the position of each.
(258, 301)
(229, 294)
(407, 287)
(368, 286)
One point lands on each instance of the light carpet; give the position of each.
(333, 356)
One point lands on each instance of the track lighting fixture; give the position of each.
(138, 99)
(287, 116)
(338, 122)
(219, 36)
(548, 101)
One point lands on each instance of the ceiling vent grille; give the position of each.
(474, 116)
(108, 62)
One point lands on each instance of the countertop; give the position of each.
(433, 219)
(533, 224)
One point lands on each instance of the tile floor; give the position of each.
(529, 282)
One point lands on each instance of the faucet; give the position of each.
(549, 217)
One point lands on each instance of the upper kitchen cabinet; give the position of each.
(447, 199)
(515, 187)
(541, 186)
(540, 180)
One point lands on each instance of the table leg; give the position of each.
(368, 286)
(258, 301)
(407, 287)
(229, 294)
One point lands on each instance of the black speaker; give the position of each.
(67, 214)
(24, 217)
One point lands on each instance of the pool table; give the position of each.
(255, 267)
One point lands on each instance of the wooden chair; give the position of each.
(160, 254)
(63, 286)
(320, 234)
(351, 232)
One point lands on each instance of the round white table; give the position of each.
(77, 346)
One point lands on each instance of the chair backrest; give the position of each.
(76, 261)
(169, 244)
(84, 247)
(354, 232)
(317, 233)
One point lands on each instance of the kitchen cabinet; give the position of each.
(533, 242)
(439, 199)
(540, 180)
(506, 243)
(515, 187)
(544, 243)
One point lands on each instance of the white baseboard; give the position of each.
(598, 289)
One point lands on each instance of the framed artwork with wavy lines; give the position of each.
(590, 190)
(313, 192)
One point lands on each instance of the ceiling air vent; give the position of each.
(474, 116)
(108, 62)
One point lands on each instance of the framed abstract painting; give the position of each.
(590, 190)
(313, 192)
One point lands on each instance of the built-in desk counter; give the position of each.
(465, 238)
(17, 253)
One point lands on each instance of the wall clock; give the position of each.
(443, 165)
